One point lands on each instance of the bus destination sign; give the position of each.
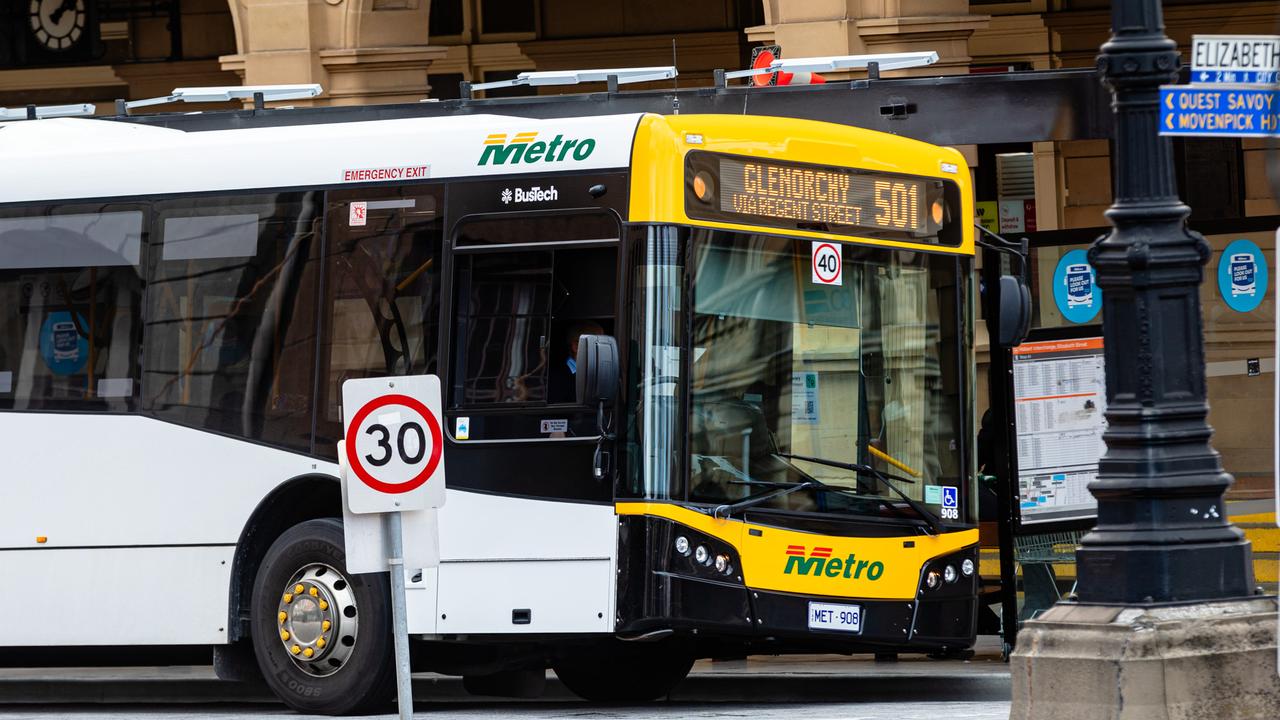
(821, 198)
(821, 195)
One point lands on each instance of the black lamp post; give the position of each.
(1162, 533)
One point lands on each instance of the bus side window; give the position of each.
(381, 302)
(230, 331)
(70, 307)
(522, 297)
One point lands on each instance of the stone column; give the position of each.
(359, 51)
(854, 27)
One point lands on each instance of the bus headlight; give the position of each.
(933, 580)
(722, 564)
(702, 556)
(682, 545)
(949, 574)
(966, 567)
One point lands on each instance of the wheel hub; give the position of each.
(318, 620)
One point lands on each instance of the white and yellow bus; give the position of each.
(707, 383)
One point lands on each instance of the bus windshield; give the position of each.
(830, 350)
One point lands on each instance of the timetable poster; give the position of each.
(1060, 395)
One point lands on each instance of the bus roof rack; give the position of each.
(573, 77)
(35, 112)
(258, 93)
(832, 63)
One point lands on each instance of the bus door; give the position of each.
(527, 515)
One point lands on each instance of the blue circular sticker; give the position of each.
(1075, 288)
(64, 350)
(1242, 276)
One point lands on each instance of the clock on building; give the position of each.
(49, 32)
(57, 24)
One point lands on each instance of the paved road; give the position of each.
(795, 688)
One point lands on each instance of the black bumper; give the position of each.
(657, 592)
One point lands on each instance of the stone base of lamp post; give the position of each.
(1202, 661)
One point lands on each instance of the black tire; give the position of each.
(625, 673)
(365, 682)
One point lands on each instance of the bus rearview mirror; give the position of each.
(1015, 311)
(597, 376)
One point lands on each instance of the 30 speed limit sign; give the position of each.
(826, 264)
(393, 443)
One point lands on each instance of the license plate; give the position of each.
(826, 616)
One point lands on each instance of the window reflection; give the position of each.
(70, 316)
(865, 371)
(231, 316)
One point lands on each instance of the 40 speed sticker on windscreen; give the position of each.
(827, 265)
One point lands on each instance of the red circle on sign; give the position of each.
(433, 461)
(818, 271)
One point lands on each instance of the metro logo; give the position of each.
(525, 148)
(819, 563)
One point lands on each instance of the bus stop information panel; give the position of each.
(1059, 397)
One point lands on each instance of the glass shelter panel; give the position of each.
(1238, 300)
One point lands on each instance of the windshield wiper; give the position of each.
(722, 512)
(812, 483)
(883, 477)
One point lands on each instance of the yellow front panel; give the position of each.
(883, 568)
(657, 180)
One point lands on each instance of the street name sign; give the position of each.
(1200, 110)
(1235, 59)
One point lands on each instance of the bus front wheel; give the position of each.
(321, 635)
(625, 672)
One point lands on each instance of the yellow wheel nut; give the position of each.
(324, 626)
(295, 649)
(324, 605)
(283, 616)
(308, 652)
(288, 598)
(284, 635)
(297, 588)
(313, 592)
(319, 642)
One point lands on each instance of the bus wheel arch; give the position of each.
(302, 498)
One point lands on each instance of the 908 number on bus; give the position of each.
(830, 616)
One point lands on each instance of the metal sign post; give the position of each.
(392, 458)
